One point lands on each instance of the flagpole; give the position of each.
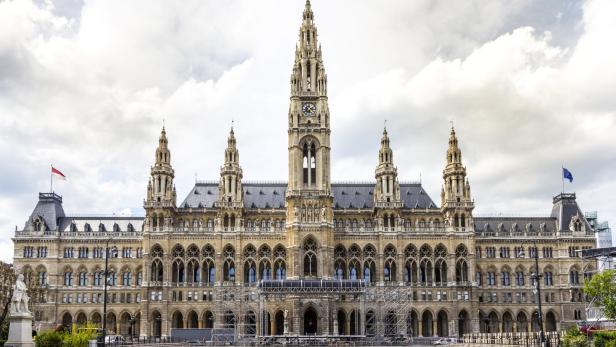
(562, 176)
(51, 179)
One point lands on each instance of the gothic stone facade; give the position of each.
(199, 263)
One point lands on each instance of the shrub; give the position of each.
(604, 339)
(49, 339)
(575, 338)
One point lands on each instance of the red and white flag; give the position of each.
(57, 172)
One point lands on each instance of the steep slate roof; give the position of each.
(487, 224)
(49, 208)
(94, 221)
(271, 195)
(564, 208)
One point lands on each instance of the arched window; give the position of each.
(280, 270)
(157, 271)
(309, 164)
(229, 271)
(339, 269)
(265, 270)
(250, 271)
(209, 272)
(389, 271)
(310, 258)
(369, 271)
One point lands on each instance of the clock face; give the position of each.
(309, 109)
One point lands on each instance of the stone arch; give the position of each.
(341, 317)
(112, 322)
(426, 321)
(192, 320)
(412, 324)
(310, 260)
(81, 318)
(522, 321)
(96, 318)
(250, 323)
(207, 319)
(311, 319)
(177, 320)
(463, 323)
(279, 323)
(125, 323)
(442, 324)
(192, 251)
(390, 322)
(493, 322)
(157, 324)
(507, 324)
(67, 320)
(550, 321)
(178, 251)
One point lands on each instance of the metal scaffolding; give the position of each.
(391, 306)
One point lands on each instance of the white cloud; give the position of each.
(88, 92)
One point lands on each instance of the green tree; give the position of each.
(602, 289)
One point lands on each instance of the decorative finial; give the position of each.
(385, 126)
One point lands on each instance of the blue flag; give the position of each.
(567, 174)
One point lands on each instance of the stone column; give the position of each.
(420, 327)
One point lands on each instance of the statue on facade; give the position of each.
(19, 303)
(323, 214)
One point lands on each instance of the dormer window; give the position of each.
(73, 227)
(37, 225)
(130, 227)
(101, 228)
(116, 228)
(87, 228)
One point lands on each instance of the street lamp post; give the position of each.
(105, 289)
(535, 277)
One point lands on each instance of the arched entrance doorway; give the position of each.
(550, 321)
(341, 323)
(426, 324)
(310, 321)
(463, 323)
(279, 329)
(156, 324)
(67, 321)
(250, 328)
(442, 325)
(208, 320)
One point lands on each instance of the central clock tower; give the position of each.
(309, 196)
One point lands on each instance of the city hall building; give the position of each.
(307, 256)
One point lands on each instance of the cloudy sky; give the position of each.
(85, 85)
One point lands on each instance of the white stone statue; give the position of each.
(323, 214)
(19, 303)
(286, 313)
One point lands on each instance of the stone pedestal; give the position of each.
(20, 330)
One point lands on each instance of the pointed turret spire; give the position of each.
(161, 194)
(387, 190)
(308, 77)
(230, 187)
(456, 194)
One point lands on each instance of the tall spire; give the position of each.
(161, 195)
(230, 186)
(456, 201)
(308, 77)
(387, 190)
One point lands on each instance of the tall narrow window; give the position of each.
(305, 164)
(313, 165)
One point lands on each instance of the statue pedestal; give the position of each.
(20, 330)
